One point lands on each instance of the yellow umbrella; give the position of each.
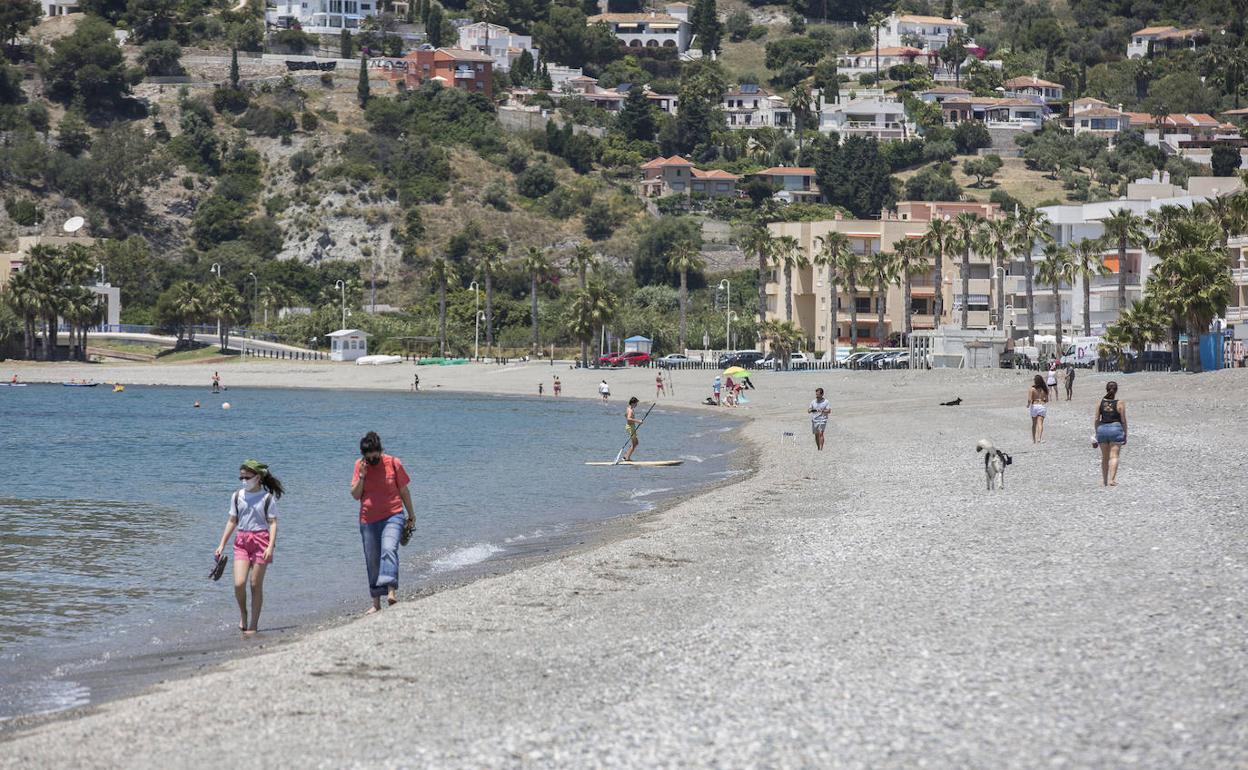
(733, 371)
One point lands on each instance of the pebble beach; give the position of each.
(870, 606)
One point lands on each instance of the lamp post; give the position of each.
(476, 341)
(476, 300)
(731, 317)
(216, 268)
(255, 296)
(341, 286)
(999, 273)
(726, 285)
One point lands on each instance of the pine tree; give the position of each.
(361, 90)
(433, 27)
(545, 82)
(636, 120)
(707, 27)
(234, 68)
(948, 9)
(72, 135)
(522, 70)
(344, 45)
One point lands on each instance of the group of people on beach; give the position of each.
(1109, 421)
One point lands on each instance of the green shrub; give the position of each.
(308, 121)
(23, 211)
(536, 181)
(267, 121)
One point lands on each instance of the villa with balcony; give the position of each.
(1031, 87)
(995, 112)
(650, 29)
(793, 184)
(677, 176)
(321, 17)
(751, 106)
(1151, 40)
(451, 67)
(933, 32)
(497, 42)
(877, 118)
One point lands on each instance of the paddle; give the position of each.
(620, 455)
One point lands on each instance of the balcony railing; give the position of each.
(1240, 276)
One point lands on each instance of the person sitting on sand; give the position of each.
(630, 426)
(253, 512)
(380, 484)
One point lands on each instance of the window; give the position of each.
(351, 6)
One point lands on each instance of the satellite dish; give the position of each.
(73, 224)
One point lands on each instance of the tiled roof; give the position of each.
(1181, 34)
(931, 20)
(675, 160)
(714, 173)
(1099, 112)
(891, 50)
(1240, 111)
(458, 54)
(946, 90)
(1153, 30)
(634, 18)
(990, 101)
(786, 171)
(1027, 81)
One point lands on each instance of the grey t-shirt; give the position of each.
(819, 417)
(249, 508)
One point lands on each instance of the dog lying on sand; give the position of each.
(994, 463)
(956, 402)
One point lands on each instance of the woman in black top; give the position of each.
(1110, 424)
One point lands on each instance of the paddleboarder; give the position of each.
(630, 425)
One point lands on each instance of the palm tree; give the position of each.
(188, 307)
(910, 262)
(882, 267)
(593, 308)
(938, 241)
(82, 310)
(849, 265)
(786, 253)
(223, 302)
(1126, 228)
(784, 336)
(831, 246)
(1223, 211)
(800, 104)
(1056, 268)
(491, 257)
(22, 296)
(966, 226)
(757, 239)
(994, 239)
(1087, 262)
(686, 256)
(46, 266)
(443, 273)
(581, 259)
(537, 265)
(1137, 326)
(273, 296)
(1192, 280)
(1030, 228)
(876, 21)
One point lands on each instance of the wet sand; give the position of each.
(868, 606)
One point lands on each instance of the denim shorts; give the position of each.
(1110, 433)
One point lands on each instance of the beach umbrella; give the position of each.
(734, 371)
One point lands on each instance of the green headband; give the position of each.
(256, 467)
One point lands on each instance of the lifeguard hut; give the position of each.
(639, 344)
(347, 344)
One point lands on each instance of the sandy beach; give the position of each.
(868, 606)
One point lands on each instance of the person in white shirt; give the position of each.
(604, 390)
(819, 410)
(253, 513)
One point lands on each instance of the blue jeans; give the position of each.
(381, 553)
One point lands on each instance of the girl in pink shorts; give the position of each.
(253, 513)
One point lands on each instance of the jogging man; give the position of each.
(819, 410)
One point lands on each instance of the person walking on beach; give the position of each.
(658, 384)
(819, 410)
(540, 386)
(1110, 424)
(745, 382)
(604, 390)
(1037, 407)
(1070, 380)
(1051, 382)
(253, 513)
(715, 387)
(558, 385)
(630, 425)
(416, 382)
(216, 383)
(380, 484)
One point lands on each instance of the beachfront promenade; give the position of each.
(871, 606)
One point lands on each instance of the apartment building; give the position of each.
(1237, 257)
(496, 41)
(812, 296)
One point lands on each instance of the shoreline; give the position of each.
(138, 674)
(868, 606)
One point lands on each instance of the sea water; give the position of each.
(111, 505)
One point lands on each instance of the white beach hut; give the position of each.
(638, 343)
(347, 344)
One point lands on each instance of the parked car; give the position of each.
(631, 358)
(743, 358)
(796, 361)
(672, 358)
(854, 359)
(609, 358)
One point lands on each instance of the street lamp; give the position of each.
(999, 272)
(726, 285)
(341, 286)
(731, 317)
(216, 268)
(255, 296)
(476, 300)
(476, 341)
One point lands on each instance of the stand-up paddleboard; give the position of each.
(641, 463)
(16, 384)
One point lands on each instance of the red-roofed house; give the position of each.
(794, 184)
(677, 176)
(452, 67)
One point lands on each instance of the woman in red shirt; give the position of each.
(380, 484)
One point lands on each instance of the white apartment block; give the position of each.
(61, 8)
(322, 17)
(879, 118)
(497, 42)
(932, 31)
(1237, 255)
(650, 29)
